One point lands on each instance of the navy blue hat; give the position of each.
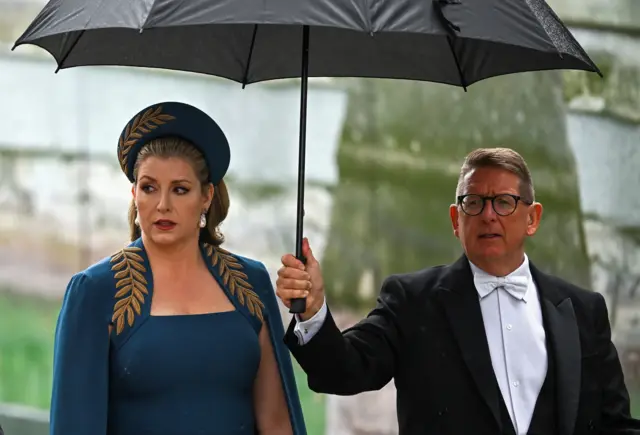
(180, 120)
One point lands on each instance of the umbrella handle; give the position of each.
(299, 305)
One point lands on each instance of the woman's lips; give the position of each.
(165, 224)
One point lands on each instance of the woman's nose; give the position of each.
(165, 202)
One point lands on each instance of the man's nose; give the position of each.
(488, 213)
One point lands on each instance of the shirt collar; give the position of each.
(485, 283)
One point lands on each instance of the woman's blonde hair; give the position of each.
(166, 147)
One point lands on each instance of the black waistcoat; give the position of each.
(544, 419)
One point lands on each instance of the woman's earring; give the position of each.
(136, 221)
(203, 220)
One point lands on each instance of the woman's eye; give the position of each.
(147, 188)
(181, 190)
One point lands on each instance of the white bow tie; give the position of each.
(516, 286)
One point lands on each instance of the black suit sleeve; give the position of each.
(616, 414)
(363, 357)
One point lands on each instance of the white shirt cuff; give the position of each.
(306, 330)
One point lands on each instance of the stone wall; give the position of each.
(402, 147)
(403, 144)
(604, 134)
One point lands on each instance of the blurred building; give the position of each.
(60, 180)
(604, 133)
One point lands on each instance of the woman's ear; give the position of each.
(209, 195)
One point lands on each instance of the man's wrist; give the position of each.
(312, 311)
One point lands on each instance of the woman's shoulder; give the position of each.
(239, 265)
(247, 278)
(256, 268)
(99, 279)
(102, 271)
(90, 290)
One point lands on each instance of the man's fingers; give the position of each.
(294, 284)
(289, 260)
(293, 281)
(292, 273)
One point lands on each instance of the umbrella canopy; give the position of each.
(457, 42)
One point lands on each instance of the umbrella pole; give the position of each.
(299, 305)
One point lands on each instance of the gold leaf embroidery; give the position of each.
(131, 284)
(149, 120)
(230, 271)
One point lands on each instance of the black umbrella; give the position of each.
(457, 42)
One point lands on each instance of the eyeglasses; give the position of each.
(504, 204)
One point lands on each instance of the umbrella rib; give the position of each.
(75, 41)
(245, 76)
(66, 55)
(143, 26)
(544, 7)
(463, 82)
(450, 29)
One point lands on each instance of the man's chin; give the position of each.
(492, 253)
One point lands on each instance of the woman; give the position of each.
(173, 334)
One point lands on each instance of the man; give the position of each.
(488, 345)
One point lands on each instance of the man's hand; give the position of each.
(295, 280)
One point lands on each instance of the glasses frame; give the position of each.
(517, 199)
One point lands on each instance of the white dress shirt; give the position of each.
(517, 342)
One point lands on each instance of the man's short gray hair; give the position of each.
(503, 158)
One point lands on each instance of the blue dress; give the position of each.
(163, 375)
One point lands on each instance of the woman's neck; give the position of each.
(180, 258)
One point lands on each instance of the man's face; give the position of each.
(489, 236)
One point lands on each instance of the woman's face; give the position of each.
(169, 199)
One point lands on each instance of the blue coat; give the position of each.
(117, 292)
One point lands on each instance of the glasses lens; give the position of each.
(472, 204)
(504, 204)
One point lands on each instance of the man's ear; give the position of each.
(533, 219)
(454, 214)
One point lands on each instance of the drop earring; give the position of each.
(203, 220)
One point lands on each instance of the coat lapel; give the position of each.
(133, 285)
(462, 306)
(232, 277)
(565, 341)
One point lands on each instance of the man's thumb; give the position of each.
(308, 253)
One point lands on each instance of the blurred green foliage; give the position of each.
(26, 349)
